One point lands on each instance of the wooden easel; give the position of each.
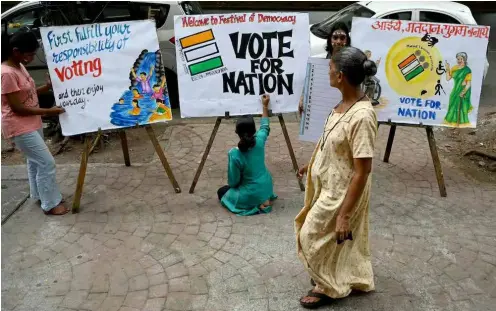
(432, 146)
(212, 138)
(88, 147)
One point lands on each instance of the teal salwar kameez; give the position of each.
(249, 180)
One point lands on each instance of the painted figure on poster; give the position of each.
(140, 103)
(144, 80)
(460, 104)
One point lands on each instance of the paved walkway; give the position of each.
(138, 246)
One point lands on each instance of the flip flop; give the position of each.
(50, 212)
(324, 300)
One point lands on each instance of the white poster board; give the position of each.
(225, 62)
(319, 98)
(107, 75)
(429, 73)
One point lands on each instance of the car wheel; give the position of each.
(172, 88)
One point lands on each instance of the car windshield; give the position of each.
(191, 7)
(323, 28)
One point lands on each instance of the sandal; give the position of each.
(324, 300)
(59, 210)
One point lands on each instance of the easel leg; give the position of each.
(205, 155)
(125, 149)
(290, 148)
(82, 174)
(163, 158)
(436, 161)
(389, 146)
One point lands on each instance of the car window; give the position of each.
(404, 16)
(119, 11)
(435, 17)
(157, 12)
(191, 7)
(23, 19)
(346, 15)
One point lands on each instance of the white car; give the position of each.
(434, 12)
(35, 14)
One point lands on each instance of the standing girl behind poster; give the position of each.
(21, 119)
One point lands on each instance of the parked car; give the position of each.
(35, 14)
(434, 12)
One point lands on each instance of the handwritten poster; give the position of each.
(225, 62)
(106, 75)
(428, 73)
(319, 98)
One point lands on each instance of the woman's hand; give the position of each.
(342, 228)
(265, 100)
(300, 105)
(302, 171)
(54, 111)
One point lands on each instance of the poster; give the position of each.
(319, 98)
(428, 73)
(227, 61)
(107, 75)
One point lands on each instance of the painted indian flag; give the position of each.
(201, 52)
(410, 67)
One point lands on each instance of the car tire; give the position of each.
(172, 88)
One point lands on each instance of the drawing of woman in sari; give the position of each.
(459, 102)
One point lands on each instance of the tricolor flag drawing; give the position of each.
(201, 52)
(410, 67)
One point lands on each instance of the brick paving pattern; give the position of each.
(138, 246)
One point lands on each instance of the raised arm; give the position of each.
(163, 82)
(448, 71)
(264, 131)
(151, 71)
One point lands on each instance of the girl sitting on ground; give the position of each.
(250, 189)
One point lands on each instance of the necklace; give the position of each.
(327, 132)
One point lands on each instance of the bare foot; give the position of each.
(58, 210)
(265, 204)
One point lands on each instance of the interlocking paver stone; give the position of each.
(136, 245)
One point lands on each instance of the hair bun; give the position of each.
(369, 68)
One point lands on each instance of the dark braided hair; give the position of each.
(245, 128)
